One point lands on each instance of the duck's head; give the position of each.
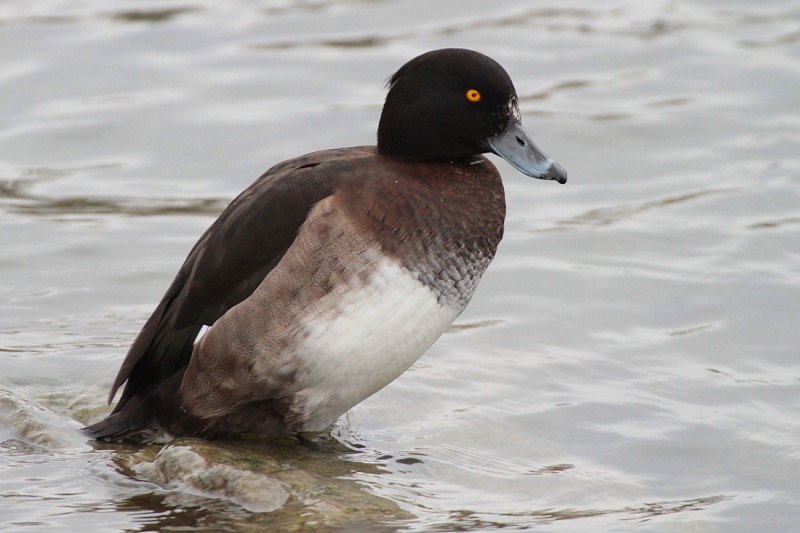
(455, 103)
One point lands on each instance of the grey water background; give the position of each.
(631, 359)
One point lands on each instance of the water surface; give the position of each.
(630, 361)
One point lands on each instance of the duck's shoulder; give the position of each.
(359, 178)
(365, 163)
(355, 163)
(416, 195)
(319, 162)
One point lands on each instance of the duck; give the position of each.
(335, 271)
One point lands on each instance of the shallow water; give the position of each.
(630, 361)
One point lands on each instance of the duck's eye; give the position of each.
(473, 95)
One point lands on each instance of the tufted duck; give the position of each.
(334, 272)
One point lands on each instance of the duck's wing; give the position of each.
(224, 267)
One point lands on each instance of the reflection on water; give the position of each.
(630, 360)
(471, 521)
(120, 206)
(610, 215)
(152, 15)
(775, 223)
(18, 196)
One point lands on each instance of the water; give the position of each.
(630, 361)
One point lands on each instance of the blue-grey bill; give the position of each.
(515, 146)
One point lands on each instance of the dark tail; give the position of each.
(156, 415)
(114, 428)
(149, 416)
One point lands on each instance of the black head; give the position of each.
(430, 113)
(455, 103)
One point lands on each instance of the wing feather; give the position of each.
(224, 267)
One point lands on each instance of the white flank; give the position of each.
(363, 340)
(200, 334)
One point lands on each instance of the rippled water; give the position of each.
(630, 362)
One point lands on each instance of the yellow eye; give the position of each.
(473, 95)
